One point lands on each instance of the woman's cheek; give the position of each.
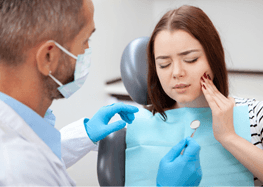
(197, 88)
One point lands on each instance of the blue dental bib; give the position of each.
(149, 139)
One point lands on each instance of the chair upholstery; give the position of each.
(134, 70)
(111, 159)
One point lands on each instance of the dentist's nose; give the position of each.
(86, 46)
(178, 70)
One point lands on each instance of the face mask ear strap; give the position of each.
(64, 50)
(54, 79)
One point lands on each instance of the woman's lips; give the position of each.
(181, 88)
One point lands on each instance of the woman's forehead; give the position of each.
(177, 41)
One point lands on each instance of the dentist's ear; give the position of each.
(47, 57)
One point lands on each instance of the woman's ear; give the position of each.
(47, 57)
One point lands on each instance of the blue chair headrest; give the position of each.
(134, 69)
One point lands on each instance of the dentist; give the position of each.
(45, 55)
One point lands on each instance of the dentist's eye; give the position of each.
(164, 66)
(191, 61)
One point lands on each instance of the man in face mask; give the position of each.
(45, 55)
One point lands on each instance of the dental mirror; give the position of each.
(194, 125)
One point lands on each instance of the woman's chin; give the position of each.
(194, 102)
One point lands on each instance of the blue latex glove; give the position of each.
(181, 170)
(98, 128)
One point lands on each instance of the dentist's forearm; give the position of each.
(246, 153)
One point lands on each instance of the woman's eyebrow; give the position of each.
(180, 54)
(162, 57)
(189, 51)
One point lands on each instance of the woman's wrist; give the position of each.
(226, 140)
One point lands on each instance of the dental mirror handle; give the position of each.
(192, 135)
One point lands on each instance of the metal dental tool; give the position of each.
(194, 125)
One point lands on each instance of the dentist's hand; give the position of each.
(98, 128)
(181, 170)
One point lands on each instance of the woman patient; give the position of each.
(187, 80)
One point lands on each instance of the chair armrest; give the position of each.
(111, 159)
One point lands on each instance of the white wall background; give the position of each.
(120, 21)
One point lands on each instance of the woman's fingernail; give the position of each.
(204, 86)
(209, 77)
(205, 75)
(202, 79)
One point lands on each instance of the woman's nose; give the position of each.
(178, 70)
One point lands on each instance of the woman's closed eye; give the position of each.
(191, 61)
(164, 66)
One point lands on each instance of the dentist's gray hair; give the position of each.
(26, 23)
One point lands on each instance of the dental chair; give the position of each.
(111, 152)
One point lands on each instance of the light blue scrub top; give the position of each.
(43, 127)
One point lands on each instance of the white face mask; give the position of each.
(80, 75)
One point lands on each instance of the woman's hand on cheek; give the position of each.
(222, 110)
